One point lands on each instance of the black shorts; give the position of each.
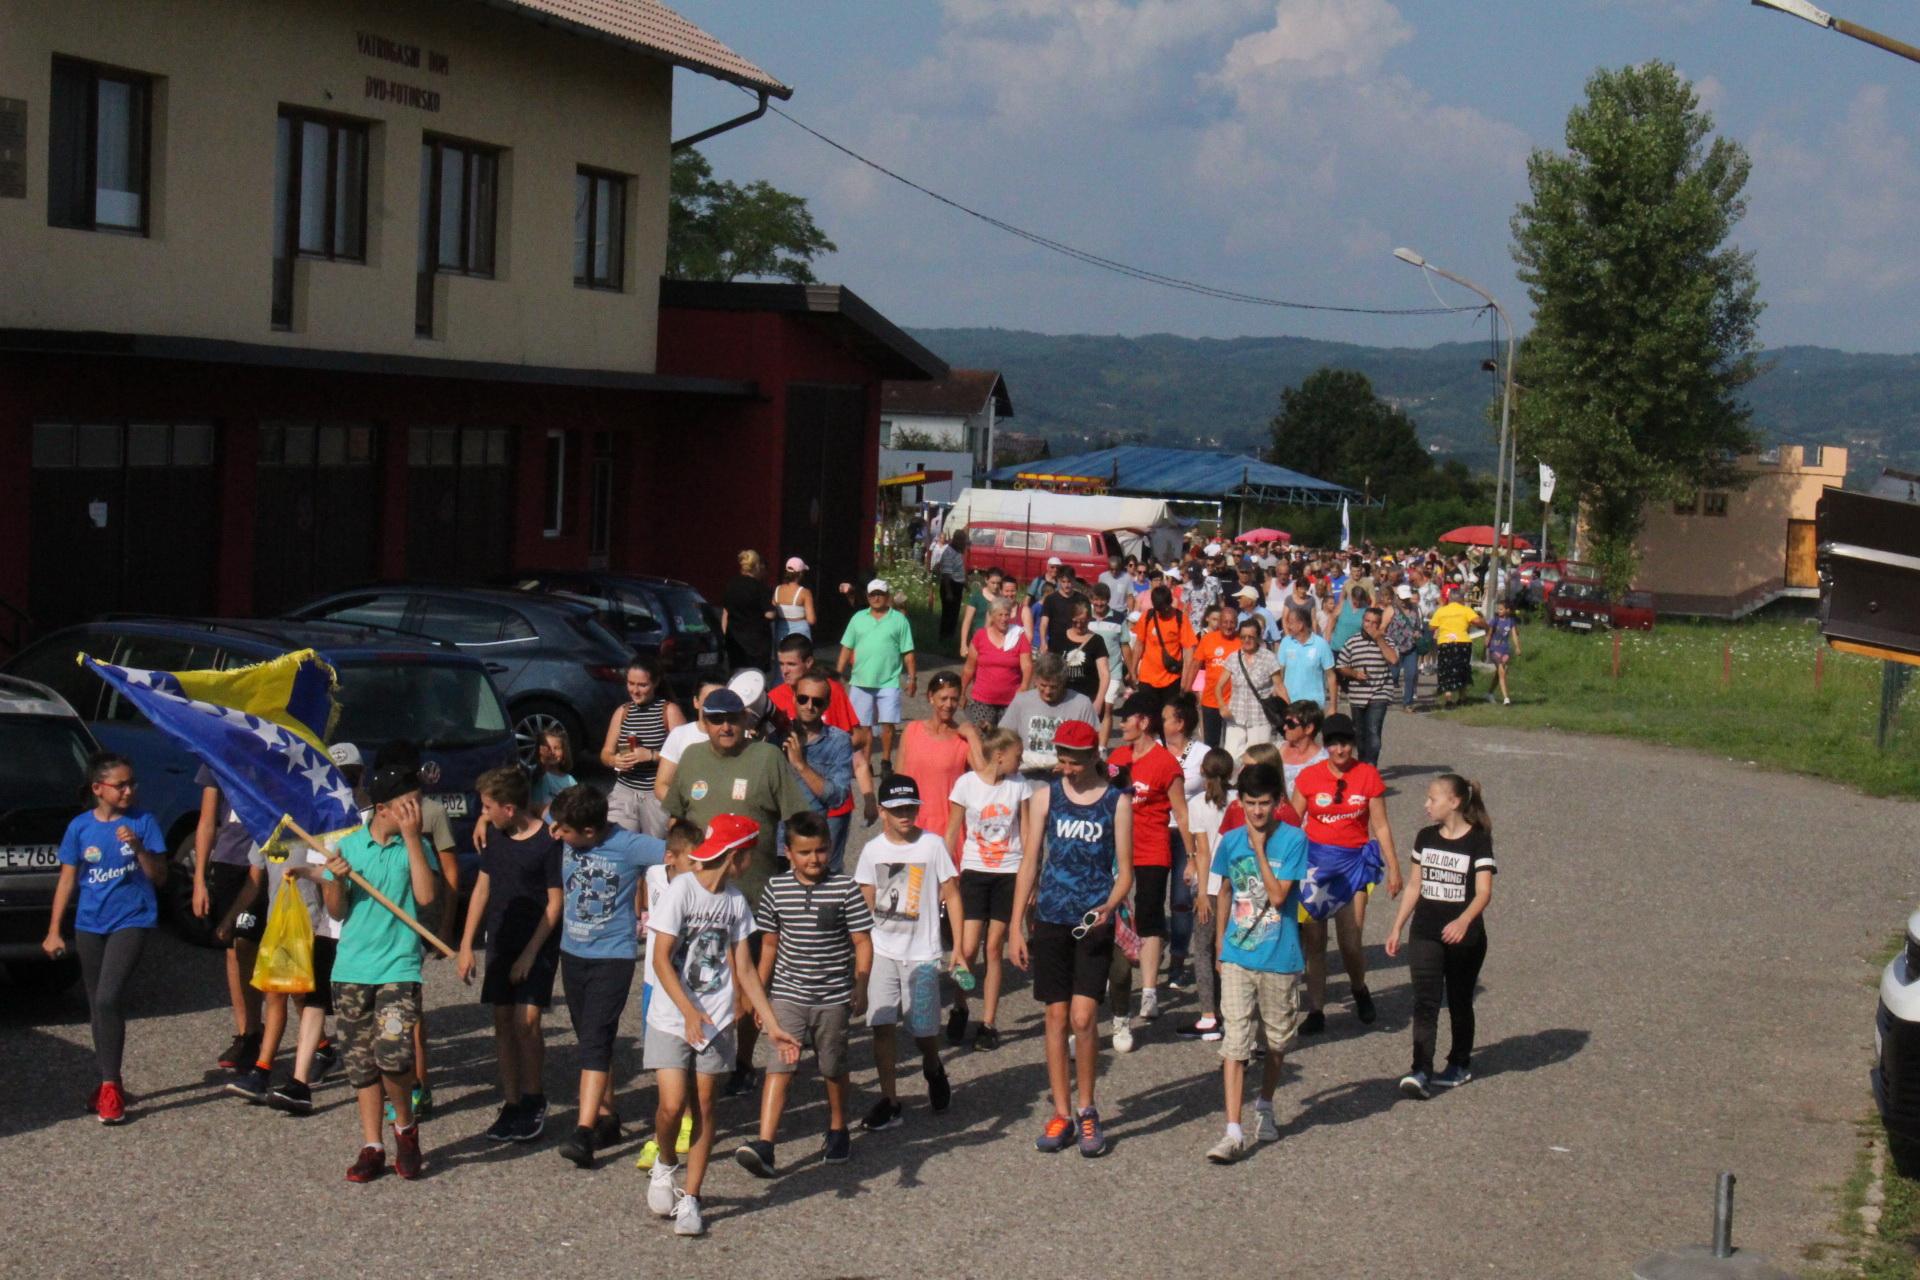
(224, 883)
(1150, 900)
(1065, 966)
(596, 997)
(321, 997)
(987, 895)
(498, 987)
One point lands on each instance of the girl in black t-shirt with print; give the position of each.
(1447, 902)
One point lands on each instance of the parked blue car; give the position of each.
(391, 687)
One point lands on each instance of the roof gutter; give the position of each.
(682, 144)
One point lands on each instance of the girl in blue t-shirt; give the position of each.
(555, 772)
(115, 854)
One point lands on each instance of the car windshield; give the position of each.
(684, 604)
(438, 705)
(46, 762)
(1589, 591)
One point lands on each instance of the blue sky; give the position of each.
(1284, 147)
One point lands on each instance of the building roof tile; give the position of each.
(653, 28)
(962, 393)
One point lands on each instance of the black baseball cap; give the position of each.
(1338, 728)
(1138, 704)
(390, 784)
(899, 792)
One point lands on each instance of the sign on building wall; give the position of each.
(13, 148)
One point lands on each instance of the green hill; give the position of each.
(1083, 391)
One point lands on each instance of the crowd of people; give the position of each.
(1148, 781)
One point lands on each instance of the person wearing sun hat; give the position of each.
(793, 613)
(702, 924)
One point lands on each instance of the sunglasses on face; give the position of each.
(809, 700)
(1293, 724)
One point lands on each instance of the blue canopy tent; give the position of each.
(1180, 475)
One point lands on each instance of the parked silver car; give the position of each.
(43, 783)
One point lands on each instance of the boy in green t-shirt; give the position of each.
(376, 966)
(877, 650)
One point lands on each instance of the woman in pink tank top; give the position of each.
(934, 752)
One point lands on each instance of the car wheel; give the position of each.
(176, 897)
(44, 978)
(531, 719)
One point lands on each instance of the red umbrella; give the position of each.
(1264, 535)
(1481, 535)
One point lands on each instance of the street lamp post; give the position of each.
(1506, 403)
(1821, 18)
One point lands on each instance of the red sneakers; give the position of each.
(108, 1103)
(371, 1163)
(406, 1151)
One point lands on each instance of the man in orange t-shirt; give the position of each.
(1212, 653)
(1163, 648)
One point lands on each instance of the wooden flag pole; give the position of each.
(360, 882)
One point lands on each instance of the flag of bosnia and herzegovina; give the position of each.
(262, 731)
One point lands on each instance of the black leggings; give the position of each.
(106, 963)
(1440, 971)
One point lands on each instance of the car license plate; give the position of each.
(30, 857)
(707, 660)
(455, 803)
(1579, 625)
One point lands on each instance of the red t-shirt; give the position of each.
(840, 714)
(1338, 808)
(1155, 773)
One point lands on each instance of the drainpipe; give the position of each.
(693, 139)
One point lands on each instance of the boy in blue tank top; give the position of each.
(1080, 833)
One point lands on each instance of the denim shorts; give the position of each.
(875, 706)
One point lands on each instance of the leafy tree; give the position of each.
(722, 231)
(1644, 316)
(1333, 427)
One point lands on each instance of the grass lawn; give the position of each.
(1670, 689)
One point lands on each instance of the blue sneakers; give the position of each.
(1093, 1141)
(1452, 1077)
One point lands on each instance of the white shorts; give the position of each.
(875, 706)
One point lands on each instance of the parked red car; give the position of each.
(1025, 549)
(1583, 604)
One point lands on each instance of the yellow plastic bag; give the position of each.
(286, 950)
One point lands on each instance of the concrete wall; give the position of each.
(223, 69)
(1701, 563)
(949, 431)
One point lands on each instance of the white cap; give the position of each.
(1404, 591)
(796, 565)
(344, 755)
(1052, 561)
(1247, 593)
(879, 584)
(750, 686)
(1213, 548)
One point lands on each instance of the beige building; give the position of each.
(1725, 553)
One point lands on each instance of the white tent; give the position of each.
(1152, 517)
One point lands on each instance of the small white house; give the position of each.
(956, 413)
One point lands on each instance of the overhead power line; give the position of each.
(1110, 264)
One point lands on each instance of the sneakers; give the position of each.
(293, 1096)
(839, 1147)
(1149, 1005)
(651, 1151)
(1093, 1139)
(939, 1091)
(406, 1151)
(661, 1193)
(1267, 1129)
(251, 1084)
(885, 1115)
(108, 1103)
(743, 1080)
(506, 1124)
(756, 1158)
(985, 1037)
(240, 1054)
(1055, 1136)
(1203, 1029)
(1363, 1005)
(533, 1118)
(1314, 1023)
(325, 1059)
(957, 1024)
(1452, 1078)
(1122, 1036)
(370, 1164)
(1227, 1150)
(686, 1216)
(1414, 1085)
(578, 1147)
(606, 1131)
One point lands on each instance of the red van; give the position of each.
(1024, 549)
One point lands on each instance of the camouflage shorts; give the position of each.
(375, 1025)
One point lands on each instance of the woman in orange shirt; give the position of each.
(1163, 648)
(1211, 655)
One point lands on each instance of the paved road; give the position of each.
(1679, 983)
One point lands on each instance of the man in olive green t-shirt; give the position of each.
(729, 774)
(875, 654)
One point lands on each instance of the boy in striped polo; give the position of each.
(815, 954)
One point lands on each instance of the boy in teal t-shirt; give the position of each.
(875, 654)
(376, 966)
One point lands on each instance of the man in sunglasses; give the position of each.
(820, 755)
(795, 659)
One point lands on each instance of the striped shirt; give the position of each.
(1362, 652)
(815, 923)
(648, 724)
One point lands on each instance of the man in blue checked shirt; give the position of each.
(820, 755)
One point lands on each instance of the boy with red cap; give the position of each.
(702, 923)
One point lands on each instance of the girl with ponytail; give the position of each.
(1447, 903)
